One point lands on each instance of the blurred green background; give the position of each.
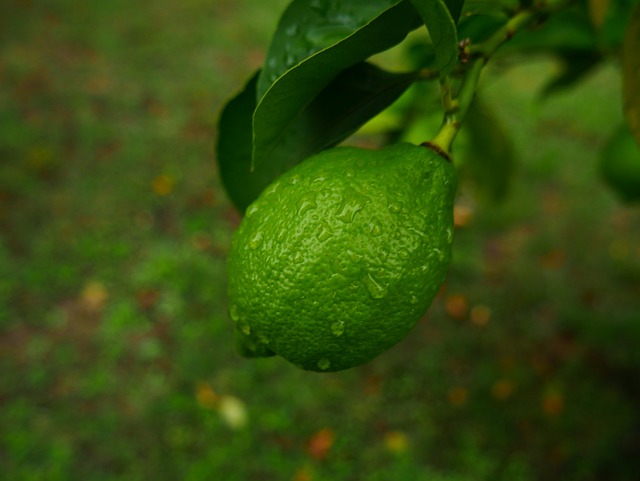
(116, 352)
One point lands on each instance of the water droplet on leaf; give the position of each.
(292, 30)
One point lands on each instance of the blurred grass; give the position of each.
(117, 356)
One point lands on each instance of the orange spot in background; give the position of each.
(396, 441)
(480, 315)
(320, 443)
(554, 259)
(553, 403)
(502, 389)
(94, 295)
(456, 306)
(163, 185)
(303, 474)
(462, 215)
(458, 396)
(206, 396)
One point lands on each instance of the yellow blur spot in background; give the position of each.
(458, 396)
(553, 403)
(396, 441)
(480, 315)
(163, 184)
(502, 389)
(231, 409)
(94, 295)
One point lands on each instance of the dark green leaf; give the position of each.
(315, 41)
(610, 19)
(442, 30)
(488, 156)
(631, 73)
(348, 102)
(489, 7)
(479, 27)
(576, 66)
(234, 150)
(568, 31)
(455, 8)
(619, 165)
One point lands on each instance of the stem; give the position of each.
(455, 109)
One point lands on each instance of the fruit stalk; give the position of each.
(455, 108)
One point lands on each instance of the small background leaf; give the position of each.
(486, 152)
(354, 97)
(338, 35)
(631, 74)
(442, 29)
(598, 11)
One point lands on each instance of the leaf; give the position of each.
(455, 8)
(442, 30)
(353, 98)
(576, 66)
(234, 149)
(314, 42)
(567, 31)
(631, 73)
(479, 27)
(489, 153)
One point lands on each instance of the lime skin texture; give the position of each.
(338, 259)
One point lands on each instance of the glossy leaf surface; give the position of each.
(442, 30)
(314, 42)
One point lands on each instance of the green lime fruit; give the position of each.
(338, 259)
(620, 165)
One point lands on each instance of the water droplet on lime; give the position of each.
(233, 312)
(374, 229)
(307, 203)
(324, 233)
(256, 240)
(324, 364)
(375, 288)
(449, 235)
(337, 328)
(348, 212)
(354, 257)
(413, 300)
(270, 190)
(252, 209)
(246, 328)
(394, 208)
(439, 253)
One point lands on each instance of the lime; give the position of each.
(337, 260)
